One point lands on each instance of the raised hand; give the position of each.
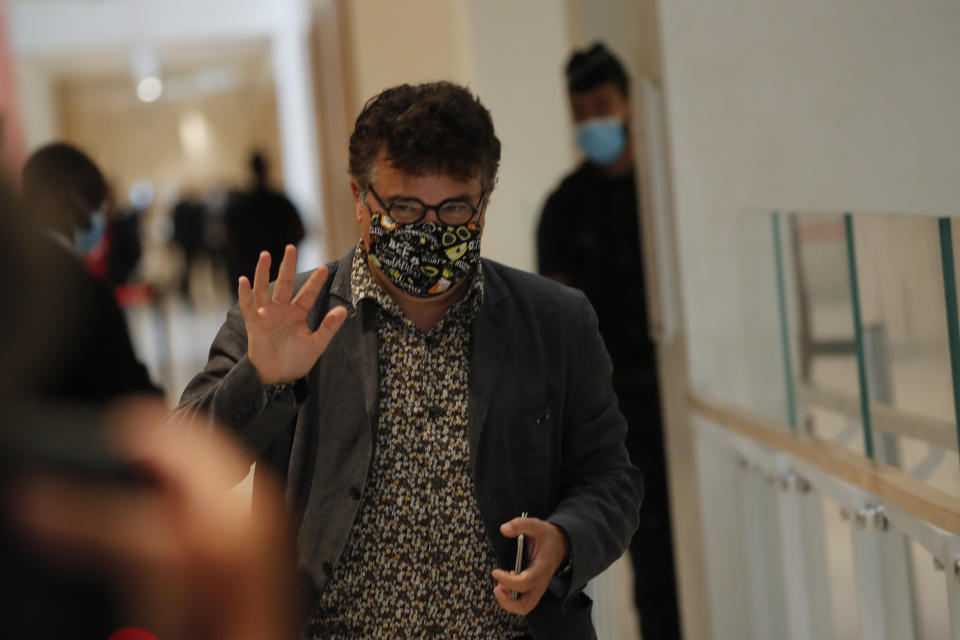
(280, 345)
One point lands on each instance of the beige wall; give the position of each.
(395, 42)
(806, 106)
(517, 51)
(816, 105)
(628, 27)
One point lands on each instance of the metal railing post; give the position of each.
(950, 297)
(784, 325)
(858, 336)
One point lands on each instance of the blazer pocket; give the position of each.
(532, 453)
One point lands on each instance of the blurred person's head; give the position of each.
(65, 192)
(258, 166)
(423, 161)
(599, 92)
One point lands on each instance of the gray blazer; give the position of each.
(545, 432)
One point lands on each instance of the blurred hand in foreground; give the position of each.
(185, 555)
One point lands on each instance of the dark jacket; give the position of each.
(589, 233)
(545, 433)
(81, 357)
(90, 358)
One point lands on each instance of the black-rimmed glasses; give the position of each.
(452, 211)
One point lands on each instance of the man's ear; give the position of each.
(357, 200)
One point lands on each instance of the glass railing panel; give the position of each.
(906, 342)
(768, 390)
(822, 328)
(904, 319)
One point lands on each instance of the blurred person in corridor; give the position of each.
(108, 520)
(64, 195)
(419, 400)
(589, 238)
(189, 218)
(261, 219)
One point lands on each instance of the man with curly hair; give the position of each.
(428, 407)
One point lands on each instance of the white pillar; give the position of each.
(37, 106)
(290, 55)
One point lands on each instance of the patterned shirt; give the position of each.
(418, 561)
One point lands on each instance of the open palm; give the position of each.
(280, 345)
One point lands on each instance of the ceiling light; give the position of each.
(149, 88)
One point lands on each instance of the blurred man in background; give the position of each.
(71, 346)
(261, 219)
(189, 234)
(64, 193)
(589, 238)
(87, 553)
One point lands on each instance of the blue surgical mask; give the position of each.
(84, 241)
(602, 139)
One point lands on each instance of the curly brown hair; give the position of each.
(436, 127)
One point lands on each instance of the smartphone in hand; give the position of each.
(518, 564)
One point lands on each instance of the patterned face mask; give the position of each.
(423, 259)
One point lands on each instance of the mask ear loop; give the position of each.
(80, 205)
(364, 194)
(481, 209)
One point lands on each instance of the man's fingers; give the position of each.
(521, 606)
(283, 288)
(329, 327)
(522, 582)
(247, 308)
(526, 526)
(261, 280)
(311, 288)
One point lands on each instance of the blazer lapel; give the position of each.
(490, 336)
(359, 348)
(357, 343)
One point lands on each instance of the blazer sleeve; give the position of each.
(601, 491)
(229, 391)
